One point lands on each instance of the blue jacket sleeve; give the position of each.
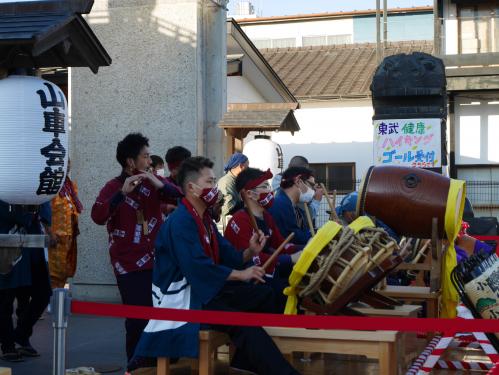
(205, 277)
(388, 230)
(229, 256)
(285, 219)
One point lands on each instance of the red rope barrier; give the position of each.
(290, 321)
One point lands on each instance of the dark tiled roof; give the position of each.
(243, 118)
(328, 72)
(47, 34)
(254, 119)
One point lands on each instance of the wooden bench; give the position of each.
(414, 294)
(388, 347)
(209, 342)
(385, 346)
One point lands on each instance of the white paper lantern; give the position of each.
(33, 140)
(264, 154)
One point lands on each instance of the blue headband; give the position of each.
(235, 160)
(348, 203)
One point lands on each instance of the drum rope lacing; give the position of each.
(368, 238)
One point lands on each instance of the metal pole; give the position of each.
(385, 26)
(436, 31)
(378, 32)
(59, 304)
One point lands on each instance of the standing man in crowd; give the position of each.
(158, 165)
(28, 280)
(130, 207)
(227, 184)
(174, 157)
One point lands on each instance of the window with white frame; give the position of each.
(477, 130)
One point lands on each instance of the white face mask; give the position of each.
(307, 196)
(160, 172)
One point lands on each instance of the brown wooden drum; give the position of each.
(407, 199)
(345, 259)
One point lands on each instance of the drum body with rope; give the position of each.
(407, 199)
(336, 257)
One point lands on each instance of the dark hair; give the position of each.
(156, 160)
(289, 174)
(247, 175)
(298, 161)
(130, 147)
(190, 168)
(177, 154)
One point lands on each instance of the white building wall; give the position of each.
(298, 29)
(332, 133)
(167, 80)
(240, 90)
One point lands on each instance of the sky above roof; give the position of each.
(265, 8)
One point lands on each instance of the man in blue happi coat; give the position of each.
(297, 187)
(347, 212)
(196, 268)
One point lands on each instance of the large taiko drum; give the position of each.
(352, 252)
(407, 199)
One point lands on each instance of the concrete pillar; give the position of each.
(167, 80)
(215, 52)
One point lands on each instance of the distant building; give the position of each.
(319, 59)
(470, 50)
(305, 30)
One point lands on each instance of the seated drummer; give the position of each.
(297, 186)
(347, 212)
(466, 245)
(254, 183)
(196, 268)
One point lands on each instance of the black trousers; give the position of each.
(33, 301)
(255, 350)
(135, 289)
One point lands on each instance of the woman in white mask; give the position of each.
(297, 186)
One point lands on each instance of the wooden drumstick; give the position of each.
(248, 210)
(421, 252)
(331, 205)
(278, 251)
(309, 219)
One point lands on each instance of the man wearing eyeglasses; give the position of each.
(297, 186)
